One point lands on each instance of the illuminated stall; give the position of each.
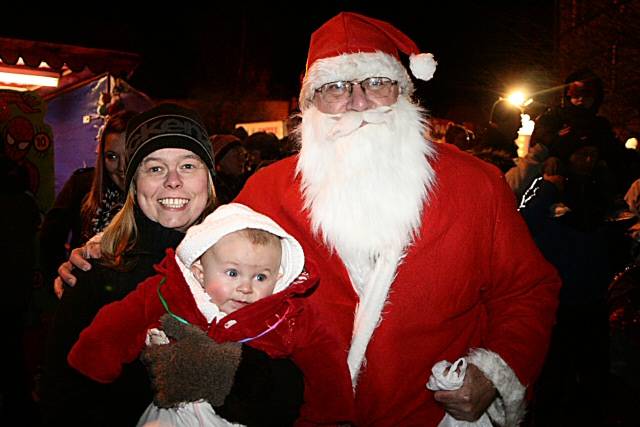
(53, 98)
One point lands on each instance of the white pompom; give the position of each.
(422, 65)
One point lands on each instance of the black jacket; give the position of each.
(64, 218)
(68, 398)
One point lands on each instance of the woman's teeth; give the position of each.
(174, 203)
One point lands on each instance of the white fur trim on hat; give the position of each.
(234, 217)
(353, 66)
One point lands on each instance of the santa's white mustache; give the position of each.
(349, 122)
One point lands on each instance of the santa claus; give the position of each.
(423, 255)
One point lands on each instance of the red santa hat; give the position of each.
(351, 46)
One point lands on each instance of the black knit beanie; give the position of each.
(165, 126)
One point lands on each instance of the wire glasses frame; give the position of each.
(340, 91)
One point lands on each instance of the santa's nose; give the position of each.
(358, 100)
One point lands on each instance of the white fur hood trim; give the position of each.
(234, 217)
(208, 309)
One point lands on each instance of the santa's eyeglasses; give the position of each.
(340, 91)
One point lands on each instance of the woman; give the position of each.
(169, 182)
(169, 187)
(89, 199)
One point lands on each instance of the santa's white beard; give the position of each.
(365, 179)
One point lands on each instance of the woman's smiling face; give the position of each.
(172, 187)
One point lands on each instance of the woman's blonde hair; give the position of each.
(121, 234)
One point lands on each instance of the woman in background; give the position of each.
(89, 199)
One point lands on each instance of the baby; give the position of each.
(239, 277)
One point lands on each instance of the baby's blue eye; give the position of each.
(232, 273)
(261, 277)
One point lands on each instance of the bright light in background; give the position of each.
(26, 76)
(527, 125)
(518, 98)
(631, 143)
(28, 79)
(524, 135)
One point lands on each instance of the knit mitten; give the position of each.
(193, 367)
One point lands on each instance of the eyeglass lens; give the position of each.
(373, 87)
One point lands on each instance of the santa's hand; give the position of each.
(58, 287)
(470, 401)
(193, 367)
(77, 259)
(65, 275)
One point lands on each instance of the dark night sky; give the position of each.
(482, 47)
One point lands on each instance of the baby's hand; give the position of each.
(156, 337)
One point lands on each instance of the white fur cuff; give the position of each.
(508, 409)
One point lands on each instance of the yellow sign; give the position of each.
(277, 127)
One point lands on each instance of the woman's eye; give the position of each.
(232, 273)
(111, 156)
(155, 169)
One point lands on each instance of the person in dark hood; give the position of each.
(577, 124)
(579, 120)
(583, 90)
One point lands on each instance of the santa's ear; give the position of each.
(198, 272)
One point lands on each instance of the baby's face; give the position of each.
(237, 272)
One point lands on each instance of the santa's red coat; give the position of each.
(473, 278)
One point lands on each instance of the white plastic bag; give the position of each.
(453, 380)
